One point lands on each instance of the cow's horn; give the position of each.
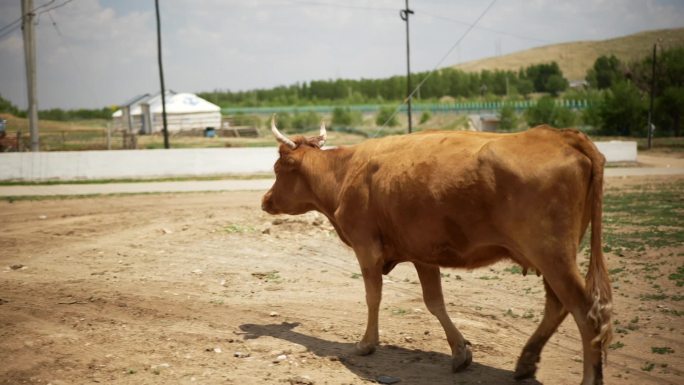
(279, 136)
(323, 135)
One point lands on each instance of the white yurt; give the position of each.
(184, 111)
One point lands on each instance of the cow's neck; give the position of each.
(326, 172)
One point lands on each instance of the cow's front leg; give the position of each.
(431, 282)
(372, 279)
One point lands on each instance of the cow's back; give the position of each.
(461, 198)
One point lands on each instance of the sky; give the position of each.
(96, 53)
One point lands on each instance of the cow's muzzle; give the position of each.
(267, 203)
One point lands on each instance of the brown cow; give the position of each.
(463, 199)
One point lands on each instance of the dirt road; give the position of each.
(204, 288)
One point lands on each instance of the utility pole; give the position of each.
(30, 58)
(404, 14)
(161, 77)
(650, 108)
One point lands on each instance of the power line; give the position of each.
(10, 30)
(439, 63)
(12, 25)
(43, 6)
(55, 7)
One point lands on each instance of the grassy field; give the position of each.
(575, 58)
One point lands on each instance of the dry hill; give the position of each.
(575, 58)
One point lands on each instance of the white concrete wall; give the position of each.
(176, 162)
(618, 151)
(135, 163)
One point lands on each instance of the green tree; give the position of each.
(305, 122)
(508, 118)
(539, 74)
(525, 87)
(669, 109)
(345, 117)
(425, 116)
(386, 116)
(564, 117)
(623, 112)
(555, 84)
(547, 112)
(7, 107)
(606, 71)
(541, 113)
(591, 115)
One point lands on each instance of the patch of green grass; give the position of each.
(355, 275)
(239, 229)
(678, 277)
(674, 312)
(616, 345)
(662, 350)
(652, 297)
(654, 216)
(399, 311)
(269, 276)
(515, 269)
(488, 278)
(647, 366)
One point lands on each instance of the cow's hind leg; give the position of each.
(554, 314)
(431, 282)
(565, 280)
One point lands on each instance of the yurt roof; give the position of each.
(176, 103)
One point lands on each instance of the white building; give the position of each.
(184, 111)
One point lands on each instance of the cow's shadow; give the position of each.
(412, 366)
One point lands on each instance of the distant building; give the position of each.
(578, 84)
(483, 122)
(184, 111)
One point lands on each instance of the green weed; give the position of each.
(662, 350)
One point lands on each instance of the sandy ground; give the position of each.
(204, 288)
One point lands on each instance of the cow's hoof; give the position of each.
(463, 360)
(526, 367)
(364, 348)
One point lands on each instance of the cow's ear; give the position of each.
(288, 162)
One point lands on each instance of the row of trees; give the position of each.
(57, 113)
(546, 77)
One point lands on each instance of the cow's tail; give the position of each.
(598, 282)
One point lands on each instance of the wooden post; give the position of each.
(109, 136)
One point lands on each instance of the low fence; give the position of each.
(435, 108)
(69, 141)
(83, 165)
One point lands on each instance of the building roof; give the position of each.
(176, 103)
